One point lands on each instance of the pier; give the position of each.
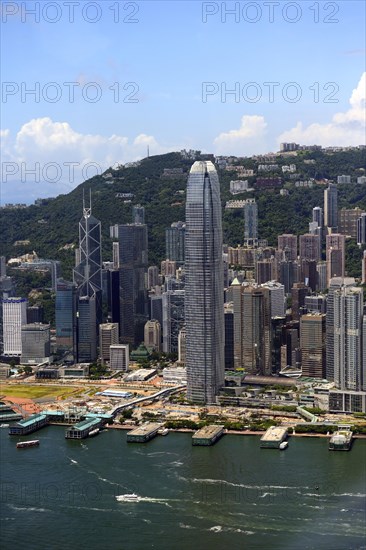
(208, 435)
(143, 433)
(29, 425)
(273, 437)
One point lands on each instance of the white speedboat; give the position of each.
(131, 497)
(163, 431)
(283, 445)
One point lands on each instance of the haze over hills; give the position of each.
(52, 226)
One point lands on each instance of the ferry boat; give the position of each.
(132, 497)
(24, 444)
(341, 440)
(163, 431)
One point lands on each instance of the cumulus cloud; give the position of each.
(246, 140)
(348, 128)
(47, 157)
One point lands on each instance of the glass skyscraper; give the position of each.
(204, 291)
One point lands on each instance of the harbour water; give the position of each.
(62, 494)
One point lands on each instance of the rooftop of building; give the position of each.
(274, 433)
(145, 428)
(32, 419)
(208, 431)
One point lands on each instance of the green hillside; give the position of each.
(54, 224)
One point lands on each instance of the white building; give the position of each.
(119, 357)
(14, 316)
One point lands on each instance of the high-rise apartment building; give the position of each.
(287, 244)
(318, 216)
(335, 255)
(347, 333)
(204, 304)
(361, 229)
(35, 343)
(310, 247)
(138, 214)
(250, 220)
(348, 218)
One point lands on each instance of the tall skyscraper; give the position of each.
(335, 284)
(204, 303)
(108, 336)
(310, 247)
(175, 242)
(14, 316)
(361, 229)
(363, 269)
(65, 315)
(173, 319)
(250, 220)
(348, 218)
(133, 263)
(331, 207)
(335, 255)
(318, 216)
(35, 343)
(312, 343)
(347, 331)
(88, 278)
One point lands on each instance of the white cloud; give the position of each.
(348, 128)
(42, 142)
(246, 140)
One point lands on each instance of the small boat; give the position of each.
(131, 497)
(94, 432)
(4, 425)
(24, 444)
(163, 431)
(283, 445)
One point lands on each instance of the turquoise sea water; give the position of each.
(62, 494)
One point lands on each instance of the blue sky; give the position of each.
(163, 59)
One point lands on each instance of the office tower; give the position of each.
(348, 218)
(156, 307)
(318, 216)
(287, 274)
(2, 266)
(182, 346)
(168, 268)
(173, 319)
(291, 348)
(35, 343)
(133, 295)
(236, 295)
(34, 314)
(256, 330)
(86, 326)
(152, 335)
(14, 317)
(361, 229)
(120, 357)
(250, 220)
(175, 242)
(363, 281)
(331, 207)
(152, 276)
(277, 298)
(309, 273)
(312, 343)
(335, 255)
(321, 269)
(108, 336)
(138, 214)
(115, 246)
(310, 247)
(204, 304)
(347, 333)
(298, 293)
(229, 336)
(65, 315)
(88, 273)
(335, 284)
(113, 295)
(287, 244)
(315, 304)
(278, 341)
(88, 278)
